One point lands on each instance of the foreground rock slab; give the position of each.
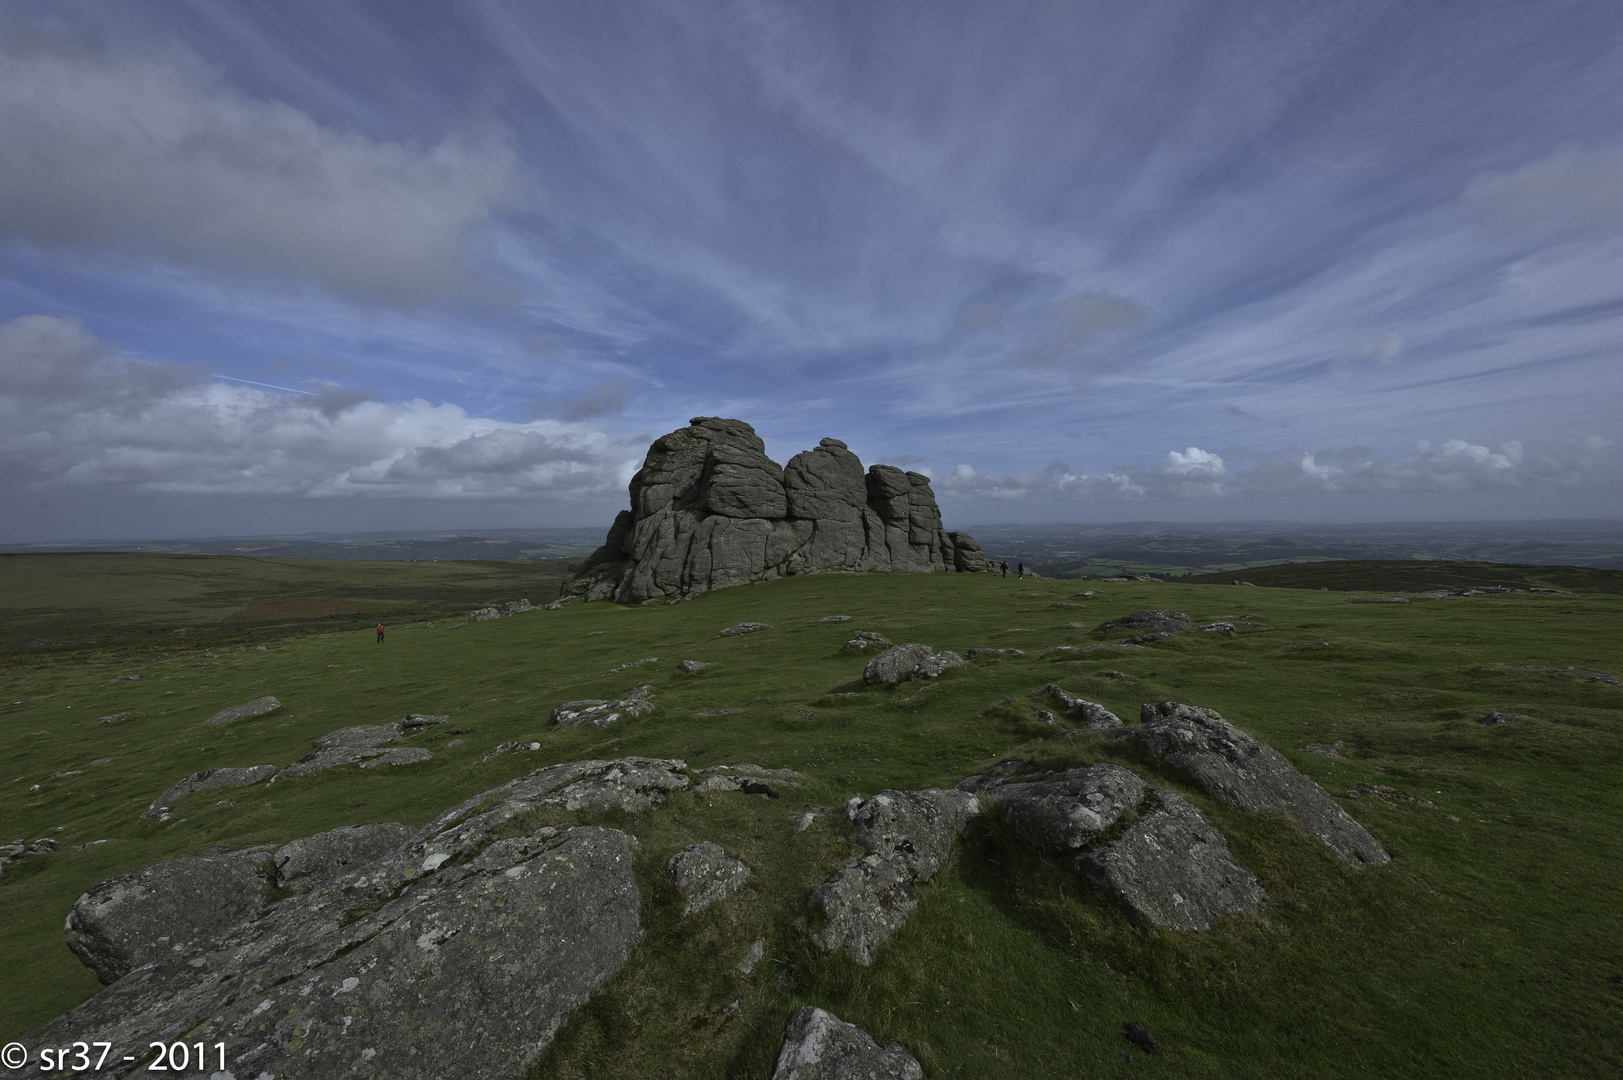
(818, 1045)
(452, 954)
(1230, 765)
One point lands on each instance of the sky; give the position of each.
(283, 267)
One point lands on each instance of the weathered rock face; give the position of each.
(256, 707)
(1172, 868)
(141, 916)
(908, 835)
(600, 713)
(818, 1045)
(1244, 772)
(709, 509)
(315, 860)
(1071, 810)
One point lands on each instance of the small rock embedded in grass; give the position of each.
(835, 618)
(753, 957)
(818, 1045)
(1163, 619)
(692, 667)
(1388, 794)
(601, 713)
(705, 874)
(1325, 749)
(256, 707)
(864, 640)
(1140, 1036)
(744, 628)
(113, 718)
(633, 664)
(1494, 719)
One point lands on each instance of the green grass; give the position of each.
(1487, 948)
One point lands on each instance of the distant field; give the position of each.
(1418, 576)
(93, 598)
(1487, 948)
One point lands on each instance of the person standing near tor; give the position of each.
(380, 632)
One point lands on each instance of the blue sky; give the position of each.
(287, 266)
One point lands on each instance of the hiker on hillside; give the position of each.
(1022, 569)
(1005, 569)
(380, 632)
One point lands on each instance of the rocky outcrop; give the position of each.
(1167, 862)
(709, 510)
(704, 874)
(1245, 772)
(818, 1045)
(1160, 857)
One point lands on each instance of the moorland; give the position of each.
(1486, 948)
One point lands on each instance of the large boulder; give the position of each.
(1238, 769)
(818, 1045)
(895, 664)
(138, 917)
(709, 510)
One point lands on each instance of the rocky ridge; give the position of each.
(709, 510)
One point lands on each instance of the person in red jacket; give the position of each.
(380, 632)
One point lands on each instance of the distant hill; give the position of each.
(1366, 575)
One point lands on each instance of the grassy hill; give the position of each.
(1487, 948)
(95, 599)
(1369, 575)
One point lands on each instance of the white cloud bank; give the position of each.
(156, 158)
(74, 414)
(1455, 465)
